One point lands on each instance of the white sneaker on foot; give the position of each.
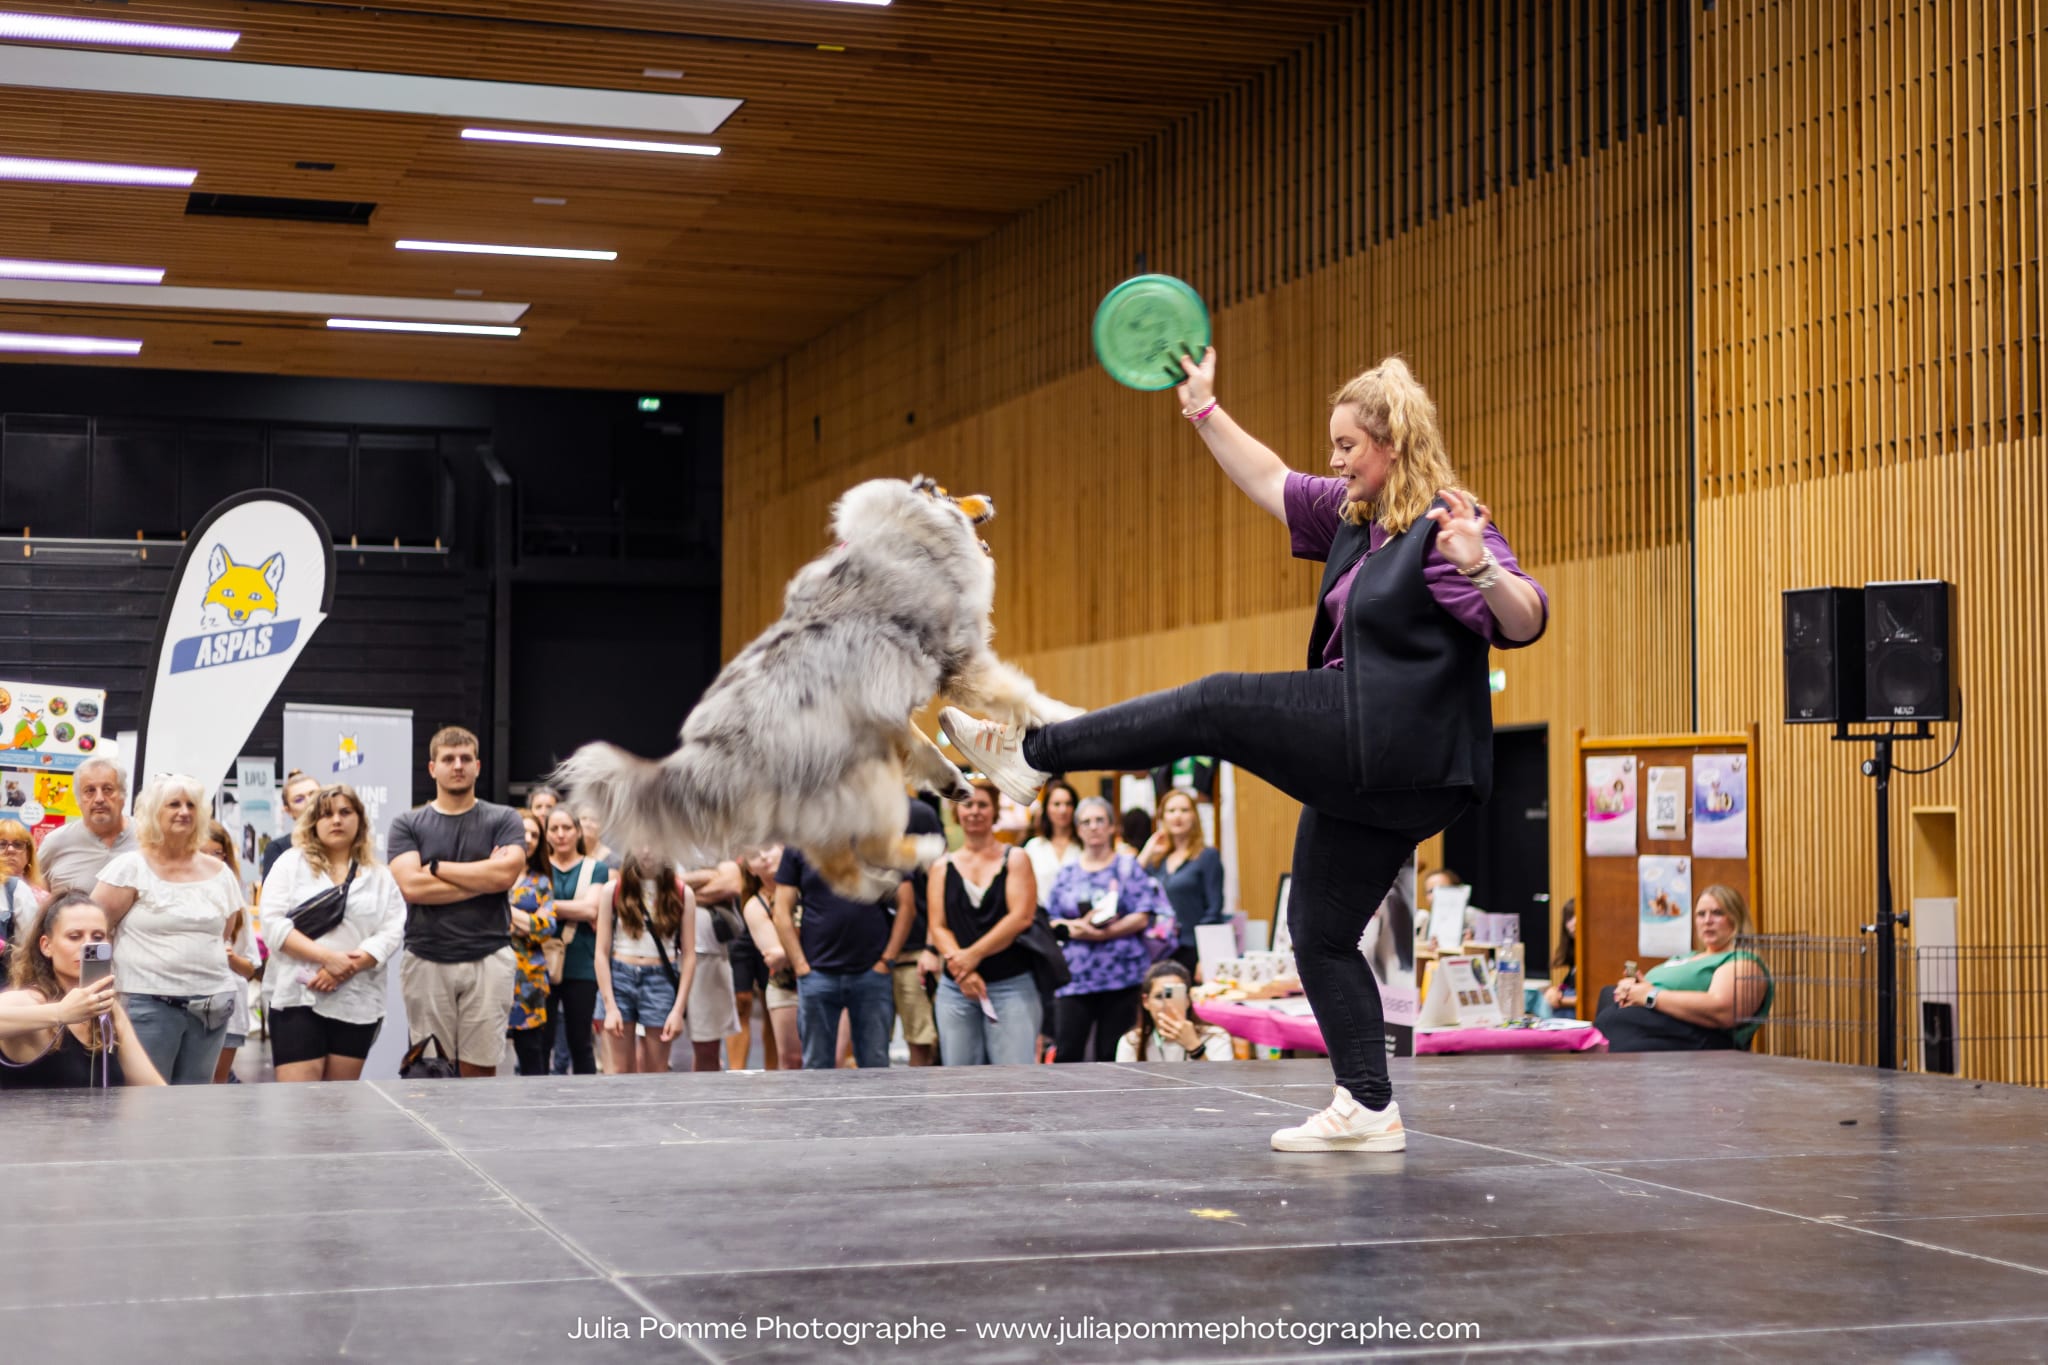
(1346, 1126)
(997, 750)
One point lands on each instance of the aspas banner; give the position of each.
(255, 581)
(366, 747)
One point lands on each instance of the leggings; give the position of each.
(1109, 1015)
(1287, 728)
(571, 1008)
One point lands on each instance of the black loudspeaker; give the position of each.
(1823, 655)
(1908, 651)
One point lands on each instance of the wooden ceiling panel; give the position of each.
(873, 143)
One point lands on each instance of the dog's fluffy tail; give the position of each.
(642, 804)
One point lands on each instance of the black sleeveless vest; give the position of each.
(1417, 708)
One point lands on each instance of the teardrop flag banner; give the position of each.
(254, 582)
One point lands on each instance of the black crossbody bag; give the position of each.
(320, 914)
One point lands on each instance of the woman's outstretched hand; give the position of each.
(1460, 529)
(1201, 385)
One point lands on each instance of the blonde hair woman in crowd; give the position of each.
(168, 905)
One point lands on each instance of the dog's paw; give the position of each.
(1046, 711)
(930, 848)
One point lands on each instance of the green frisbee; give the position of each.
(1144, 325)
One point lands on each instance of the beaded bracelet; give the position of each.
(1200, 414)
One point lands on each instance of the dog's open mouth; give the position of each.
(979, 507)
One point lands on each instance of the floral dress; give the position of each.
(530, 987)
(1119, 963)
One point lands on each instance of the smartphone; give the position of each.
(95, 963)
(1173, 992)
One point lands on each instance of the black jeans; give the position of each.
(1287, 728)
(530, 1046)
(572, 1005)
(1109, 1015)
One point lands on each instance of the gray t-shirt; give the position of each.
(72, 857)
(462, 931)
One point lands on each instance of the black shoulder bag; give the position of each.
(321, 913)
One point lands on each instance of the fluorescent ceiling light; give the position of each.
(68, 270)
(484, 249)
(55, 345)
(92, 172)
(455, 328)
(125, 73)
(46, 29)
(191, 299)
(860, 2)
(615, 144)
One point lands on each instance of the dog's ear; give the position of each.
(979, 507)
(927, 485)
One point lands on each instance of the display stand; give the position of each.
(1609, 886)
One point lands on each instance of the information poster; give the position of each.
(49, 727)
(1664, 906)
(1669, 799)
(1611, 807)
(1720, 806)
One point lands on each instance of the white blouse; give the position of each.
(173, 941)
(374, 923)
(1047, 864)
(1215, 1047)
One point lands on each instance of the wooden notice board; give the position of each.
(1609, 885)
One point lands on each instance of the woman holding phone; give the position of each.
(52, 1034)
(1169, 1032)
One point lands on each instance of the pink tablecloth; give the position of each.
(1300, 1033)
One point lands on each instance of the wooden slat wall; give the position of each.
(1870, 295)
(1514, 225)
(1778, 330)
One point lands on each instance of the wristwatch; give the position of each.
(1650, 1000)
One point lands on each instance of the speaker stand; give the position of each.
(1879, 766)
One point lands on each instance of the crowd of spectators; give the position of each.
(521, 939)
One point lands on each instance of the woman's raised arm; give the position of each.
(1251, 466)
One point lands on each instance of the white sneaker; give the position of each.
(1346, 1126)
(997, 750)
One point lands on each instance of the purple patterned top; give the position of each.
(1117, 963)
(1313, 505)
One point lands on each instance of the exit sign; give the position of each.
(650, 405)
(1497, 680)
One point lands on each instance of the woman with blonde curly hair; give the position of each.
(168, 906)
(1385, 737)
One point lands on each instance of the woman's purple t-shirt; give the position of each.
(1313, 505)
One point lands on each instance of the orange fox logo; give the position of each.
(239, 590)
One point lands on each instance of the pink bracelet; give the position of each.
(1201, 413)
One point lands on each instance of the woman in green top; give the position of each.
(573, 879)
(1715, 998)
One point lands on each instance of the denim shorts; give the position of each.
(644, 994)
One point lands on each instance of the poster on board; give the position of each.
(49, 727)
(1720, 806)
(1663, 906)
(1670, 798)
(1611, 807)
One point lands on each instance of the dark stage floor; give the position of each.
(1601, 1208)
